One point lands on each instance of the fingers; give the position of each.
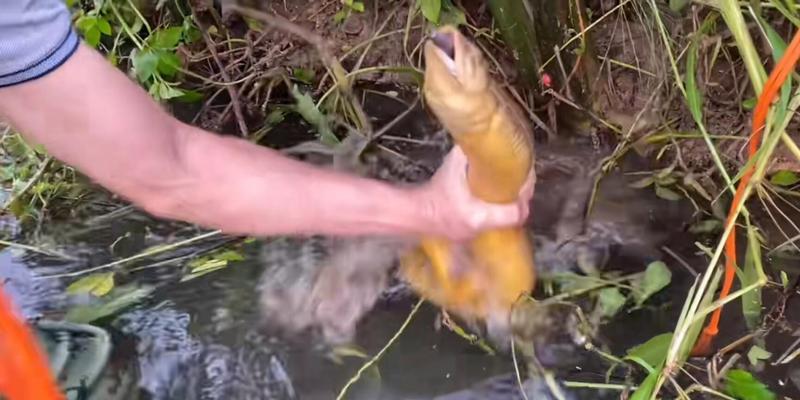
(455, 163)
(527, 190)
(461, 214)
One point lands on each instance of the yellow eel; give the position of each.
(479, 280)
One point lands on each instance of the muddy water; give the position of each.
(204, 338)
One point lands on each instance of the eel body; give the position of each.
(479, 280)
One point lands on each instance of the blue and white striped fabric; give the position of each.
(36, 36)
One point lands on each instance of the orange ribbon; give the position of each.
(776, 79)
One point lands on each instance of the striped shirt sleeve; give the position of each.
(36, 37)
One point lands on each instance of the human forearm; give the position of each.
(94, 118)
(257, 190)
(91, 116)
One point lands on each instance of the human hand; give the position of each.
(457, 214)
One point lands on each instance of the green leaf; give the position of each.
(742, 385)
(452, 15)
(571, 282)
(656, 277)
(349, 351)
(86, 22)
(308, 110)
(642, 183)
(103, 26)
(168, 63)
(757, 353)
(784, 178)
(646, 388)
(145, 64)
(167, 38)
(304, 75)
(340, 16)
(678, 5)
(98, 284)
(689, 181)
(751, 301)
(706, 226)
(749, 103)
(357, 6)
(190, 96)
(167, 92)
(275, 116)
(92, 36)
(192, 34)
(431, 9)
(784, 280)
(653, 352)
(229, 255)
(667, 193)
(610, 301)
(119, 299)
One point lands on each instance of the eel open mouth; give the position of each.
(445, 42)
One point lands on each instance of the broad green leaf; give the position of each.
(784, 178)
(678, 5)
(304, 75)
(98, 284)
(167, 92)
(610, 301)
(656, 277)
(654, 351)
(642, 183)
(168, 63)
(571, 282)
(103, 26)
(707, 226)
(92, 36)
(744, 386)
(145, 64)
(192, 34)
(119, 299)
(275, 116)
(340, 16)
(667, 193)
(689, 181)
(431, 9)
(647, 387)
(167, 38)
(190, 96)
(757, 353)
(451, 15)
(86, 22)
(357, 6)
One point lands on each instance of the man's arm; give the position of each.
(91, 116)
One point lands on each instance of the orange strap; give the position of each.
(24, 372)
(776, 79)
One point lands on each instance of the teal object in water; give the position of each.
(78, 355)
